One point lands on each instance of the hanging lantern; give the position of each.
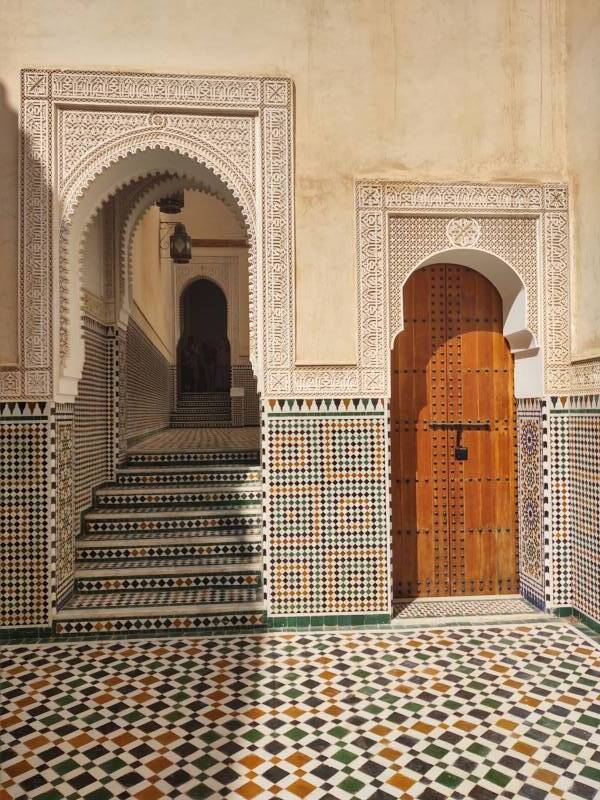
(172, 204)
(181, 245)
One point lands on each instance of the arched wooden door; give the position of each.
(454, 521)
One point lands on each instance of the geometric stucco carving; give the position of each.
(77, 129)
(402, 224)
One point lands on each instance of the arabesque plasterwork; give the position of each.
(400, 224)
(76, 124)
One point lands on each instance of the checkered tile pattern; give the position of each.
(559, 521)
(163, 597)
(584, 465)
(25, 512)
(505, 712)
(327, 544)
(461, 607)
(202, 439)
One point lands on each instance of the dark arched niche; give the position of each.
(203, 351)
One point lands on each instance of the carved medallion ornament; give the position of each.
(401, 224)
(77, 125)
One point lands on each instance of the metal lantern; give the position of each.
(181, 245)
(172, 204)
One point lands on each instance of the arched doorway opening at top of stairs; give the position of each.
(203, 349)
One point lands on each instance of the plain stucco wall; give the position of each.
(433, 89)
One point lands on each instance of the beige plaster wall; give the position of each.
(583, 139)
(152, 284)
(435, 89)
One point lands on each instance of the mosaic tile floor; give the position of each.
(176, 440)
(482, 713)
(462, 607)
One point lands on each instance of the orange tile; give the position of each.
(422, 727)
(301, 788)
(254, 713)
(464, 725)
(390, 754)
(249, 790)
(380, 730)
(80, 740)
(36, 742)
(167, 737)
(20, 768)
(298, 759)
(149, 793)
(252, 761)
(159, 764)
(545, 776)
(507, 724)
(122, 739)
(400, 781)
(294, 712)
(523, 747)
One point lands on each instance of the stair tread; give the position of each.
(197, 565)
(152, 538)
(174, 512)
(181, 488)
(148, 600)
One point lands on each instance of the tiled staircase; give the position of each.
(202, 410)
(174, 544)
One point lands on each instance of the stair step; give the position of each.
(128, 580)
(195, 423)
(232, 494)
(145, 520)
(188, 474)
(94, 549)
(182, 565)
(89, 604)
(195, 457)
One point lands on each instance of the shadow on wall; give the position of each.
(9, 149)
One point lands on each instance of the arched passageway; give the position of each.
(454, 509)
(203, 350)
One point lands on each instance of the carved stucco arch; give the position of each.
(112, 167)
(522, 341)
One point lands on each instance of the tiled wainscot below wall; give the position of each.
(327, 520)
(575, 491)
(25, 559)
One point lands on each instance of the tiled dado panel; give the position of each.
(327, 537)
(66, 520)
(94, 415)
(584, 469)
(148, 385)
(562, 570)
(25, 518)
(532, 479)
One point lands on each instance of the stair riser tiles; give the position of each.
(112, 551)
(327, 523)
(200, 498)
(159, 479)
(178, 524)
(158, 624)
(178, 459)
(118, 584)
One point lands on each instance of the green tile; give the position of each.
(478, 749)
(99, 794)
(498, 778)
(339, 732)
(65, 766)
(569, 747)
(345, 756)
(435, 751)
(200, 792)
(351, 785)
(114, 765)
(592, 773)
(449, 780)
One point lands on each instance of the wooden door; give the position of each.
(454, 521)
